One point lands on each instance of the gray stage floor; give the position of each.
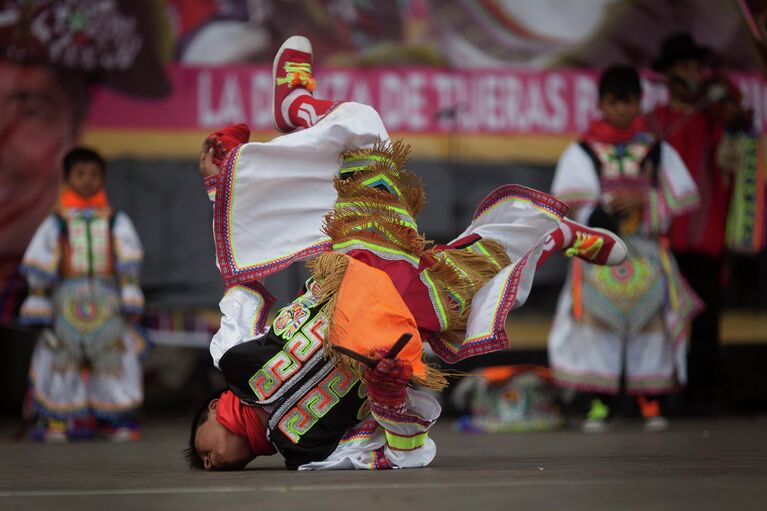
(712, 464)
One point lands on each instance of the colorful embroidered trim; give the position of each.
(677, 203)
(40, 271)
(383, 180)
(387, 253)
(266, 301)
(361, 433)
(606, 383)
(355, 163)
(379, 460)
(211, 182)
(222, 212)
(360, 207)
(542, 201)
(495, 339)
(297, 357)
(315, 404)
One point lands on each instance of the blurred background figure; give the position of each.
(51, 53)
(83, 268)
(701, 120)
(625, 326)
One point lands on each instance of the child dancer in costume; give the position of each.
(334, 190)
(632, 317)
(82, 267)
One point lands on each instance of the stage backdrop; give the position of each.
(491, 115)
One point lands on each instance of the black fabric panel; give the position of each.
(242, 361)
(592, 155)
(651, 162)
(322, 439)
(602, 219)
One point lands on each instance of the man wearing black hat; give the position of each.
(701, 105)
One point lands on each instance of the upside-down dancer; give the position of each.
(333, 191)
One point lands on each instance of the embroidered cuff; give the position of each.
(210, 186)
(132, 299)
(365, 160)
(129, 269)
(37, 276)
(36, 310)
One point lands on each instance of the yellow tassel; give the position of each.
(463, 273)
(328, 271)
(412, 196)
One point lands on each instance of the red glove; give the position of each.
(387, 383)
(230, 137)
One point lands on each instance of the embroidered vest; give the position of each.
(633, 165)
(313, 402)
(88, 248)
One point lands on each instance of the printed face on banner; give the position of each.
(37, 127)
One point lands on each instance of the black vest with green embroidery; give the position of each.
(313, 402)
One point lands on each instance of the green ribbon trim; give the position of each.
(406, 443)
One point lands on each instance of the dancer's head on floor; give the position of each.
(620, 94)
(226, 434)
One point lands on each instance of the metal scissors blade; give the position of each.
(356, 356)
(398, 346)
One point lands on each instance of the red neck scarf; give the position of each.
(602, 131)
(242, 420)
(70, 199)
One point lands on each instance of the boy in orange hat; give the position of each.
(82, 267)
(334, 190)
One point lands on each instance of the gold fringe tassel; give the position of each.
(461, 272)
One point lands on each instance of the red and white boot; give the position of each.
(294, 105)
(597, 246)
(292, 73)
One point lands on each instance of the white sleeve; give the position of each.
(211, 182)
(243, 317)
(129, 256)
(674, 195)
(679, 189)
(129, 253)
(273, 197)
(40, 264)
(377, 443)
(575, 179)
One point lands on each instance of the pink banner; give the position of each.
(410, 100)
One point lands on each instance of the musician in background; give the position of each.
(699, 121)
